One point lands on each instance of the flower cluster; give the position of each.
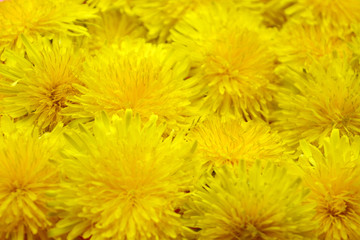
(179, 119)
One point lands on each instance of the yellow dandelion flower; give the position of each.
(232, 53)
(325, 96)
(334, 180)
(37, 87)
(124, 181)
(336, 13)
(160, 16)
(300, 43)
(112, 27)
(147, 78)
(232, 141)
(27, 178)
(40, 18)
(252, 203)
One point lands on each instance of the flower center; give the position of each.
(337, 207)
(17, 187)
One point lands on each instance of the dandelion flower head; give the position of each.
(333, 175)
(147, 78)
(252, 203)
(232, 54)
(321, 98)
(124, 181)
(28, 176)
(38, 18)
(229, 142)
(37, 87)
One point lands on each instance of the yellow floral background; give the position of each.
(180, 119)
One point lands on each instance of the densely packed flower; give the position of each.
(141, 76)
(323, 97)
(236, 63)
(179, 119)
(334, 179)
(252, 203)
(40, 18)
(232, 141)
(37, 87)
(129, 183)
(28, 176)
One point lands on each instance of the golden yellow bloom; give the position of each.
(147, 78)
(300, 43)
(334, 180)
(27, 176)
(232, 55)
(35, 18)
(252, 203)
(37, 87)
(112, 27)
(336, 13)
(124, 181)
(231, 141)
(160, 16)
(324, 96)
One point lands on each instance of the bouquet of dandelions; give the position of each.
(179, 119)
